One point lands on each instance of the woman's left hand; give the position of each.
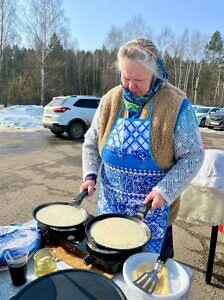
(156, 198)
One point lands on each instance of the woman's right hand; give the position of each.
(89, 186)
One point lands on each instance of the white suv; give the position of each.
(71, 114)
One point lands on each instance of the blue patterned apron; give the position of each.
(129, 172)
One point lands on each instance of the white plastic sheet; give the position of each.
(211, 174)
(203, 200)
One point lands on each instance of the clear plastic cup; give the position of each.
(44, 262)
(16, 259)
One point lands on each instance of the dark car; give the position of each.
(216, 120)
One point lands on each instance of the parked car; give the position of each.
(216, 120)
(202, 112)
(71, 114)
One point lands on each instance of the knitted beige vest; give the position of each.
(167, 103)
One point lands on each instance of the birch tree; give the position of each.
(164, 41)
(197, 81)
(44, 18)
(174, 50)
(222, 95)
(135, 28)
(195, 59)
(119, 35)
(183, 49)
(114, 38)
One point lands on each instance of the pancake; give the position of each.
(61, 215)
(163, 286)
(118, 233)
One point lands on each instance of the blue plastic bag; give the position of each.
(17, 235)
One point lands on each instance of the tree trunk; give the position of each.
(196, 83)
(217, 87)
(193, 80)
(175, 71)
(42, 74)
(187, 75)
(222, 95)
(180, 74)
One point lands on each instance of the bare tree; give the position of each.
(194, 45)
(178, 50)
(183, 49)
(196, 54)
(197, 81)
(45, 18)
(174, 51)
(217, 88)
(164, 41)
(222, 95)
(114, 38)
(187, 73)
(136, 27)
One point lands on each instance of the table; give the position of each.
(7, 290)
(203, 200)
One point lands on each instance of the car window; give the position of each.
(88, 103)
(214, 110)
(57, 102)
(202, 110)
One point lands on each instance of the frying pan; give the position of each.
(137, 219)
(75, 203)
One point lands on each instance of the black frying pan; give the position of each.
(137, 219)
(75, 202)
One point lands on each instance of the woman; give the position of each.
(146, 136)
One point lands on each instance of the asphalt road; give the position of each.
(36, 167)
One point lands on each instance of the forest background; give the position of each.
(53, 65)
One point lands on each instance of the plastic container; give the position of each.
(44, 262)
(178, 277)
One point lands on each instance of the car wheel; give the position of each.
(202, 123)
(76, 130)
(57, 133)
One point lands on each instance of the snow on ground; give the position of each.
(21, 116)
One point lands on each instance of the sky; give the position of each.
(91, 20)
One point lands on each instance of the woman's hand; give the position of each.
(156, 198)
(89, 186)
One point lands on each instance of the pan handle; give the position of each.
(143, 210)
(78, 199)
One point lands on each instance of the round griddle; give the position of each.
(139, 222)
(69, 285)
(75, 203)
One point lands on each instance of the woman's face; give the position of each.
(135, 77)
